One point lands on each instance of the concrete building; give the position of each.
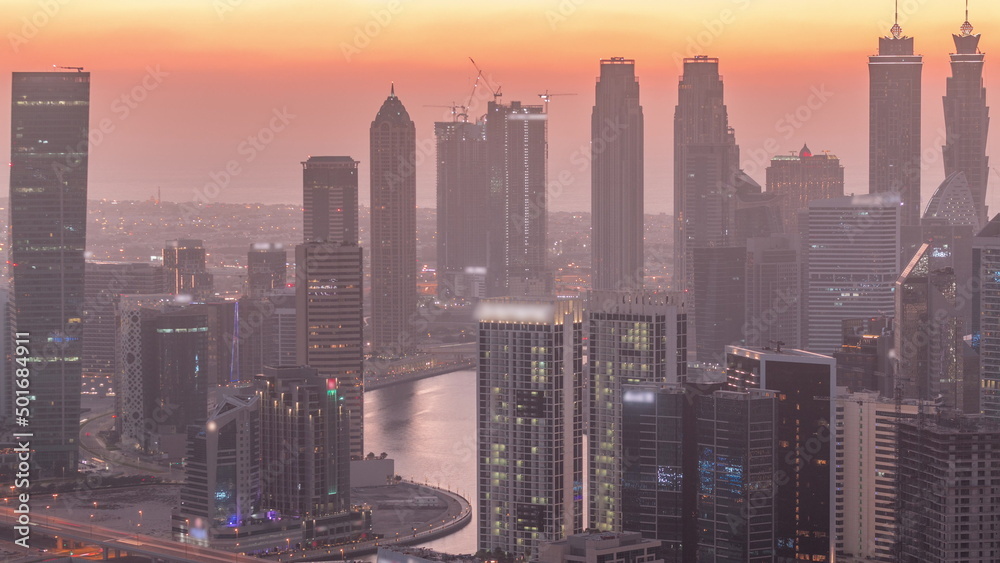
(948, 489)
(330, 199)
(773, 302)
(266, 268)
(986, 315)
(530, 422)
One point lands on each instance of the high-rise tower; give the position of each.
(50, 118)
(706, 162)
(516, 155)
(966, 117)
(894, 122)
(463, 188)
(330, 199)
(394, 228)
(616, 187)
(802, 178)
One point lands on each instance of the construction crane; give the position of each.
(546, 97)
(76, 68)
(495, 91)
(454, 113)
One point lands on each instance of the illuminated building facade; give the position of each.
(531, 422)
(330, 199)
(805, 496)
(49, 157)
(636, 337)
(184, 265)
(799, 179)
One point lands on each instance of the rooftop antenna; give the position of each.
(896, 31)
(966, 26)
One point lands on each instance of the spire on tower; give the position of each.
(896, 30)
(966, 28)
(392, 89)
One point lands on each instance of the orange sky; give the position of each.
(225, 66)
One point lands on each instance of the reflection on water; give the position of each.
(429, 428)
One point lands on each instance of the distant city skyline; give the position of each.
(179, 101)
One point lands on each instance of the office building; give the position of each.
(852, 262)
(706, 162)
(48, 233)
(773, 303)
(804, 499)
(266, 268)
(719, 274)
(393, 229)
(803, 177)
(184, 264)
(986, 315)
(616, 186)
(279, 333)
(894, 122)
(531, 422)
(932, 320)
(328, 308)
(221, 490)
(104, 284)
(967, 118)
(948, 483)
(330, 199)
(638, 337)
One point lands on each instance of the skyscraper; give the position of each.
(852, 262)
(719, 275)
(894, 122)
(531, 419)
(706, 162)
(986, 315)
(636, 337)
(48, 233)
(304, 449)
(266, 268)
(953, 204)
(805, 496)
(328, 305)
(463, 190)
(516, 155)
(932, 320)
(773, 291)
(393, 228)
(330, 199)
(616, 186)
(185, 268)
(948, 489)
(966, 117)
(105, 283)
(799, 179)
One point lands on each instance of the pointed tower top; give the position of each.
(392, 89)
(805, 151)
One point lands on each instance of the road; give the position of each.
(135, 544)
